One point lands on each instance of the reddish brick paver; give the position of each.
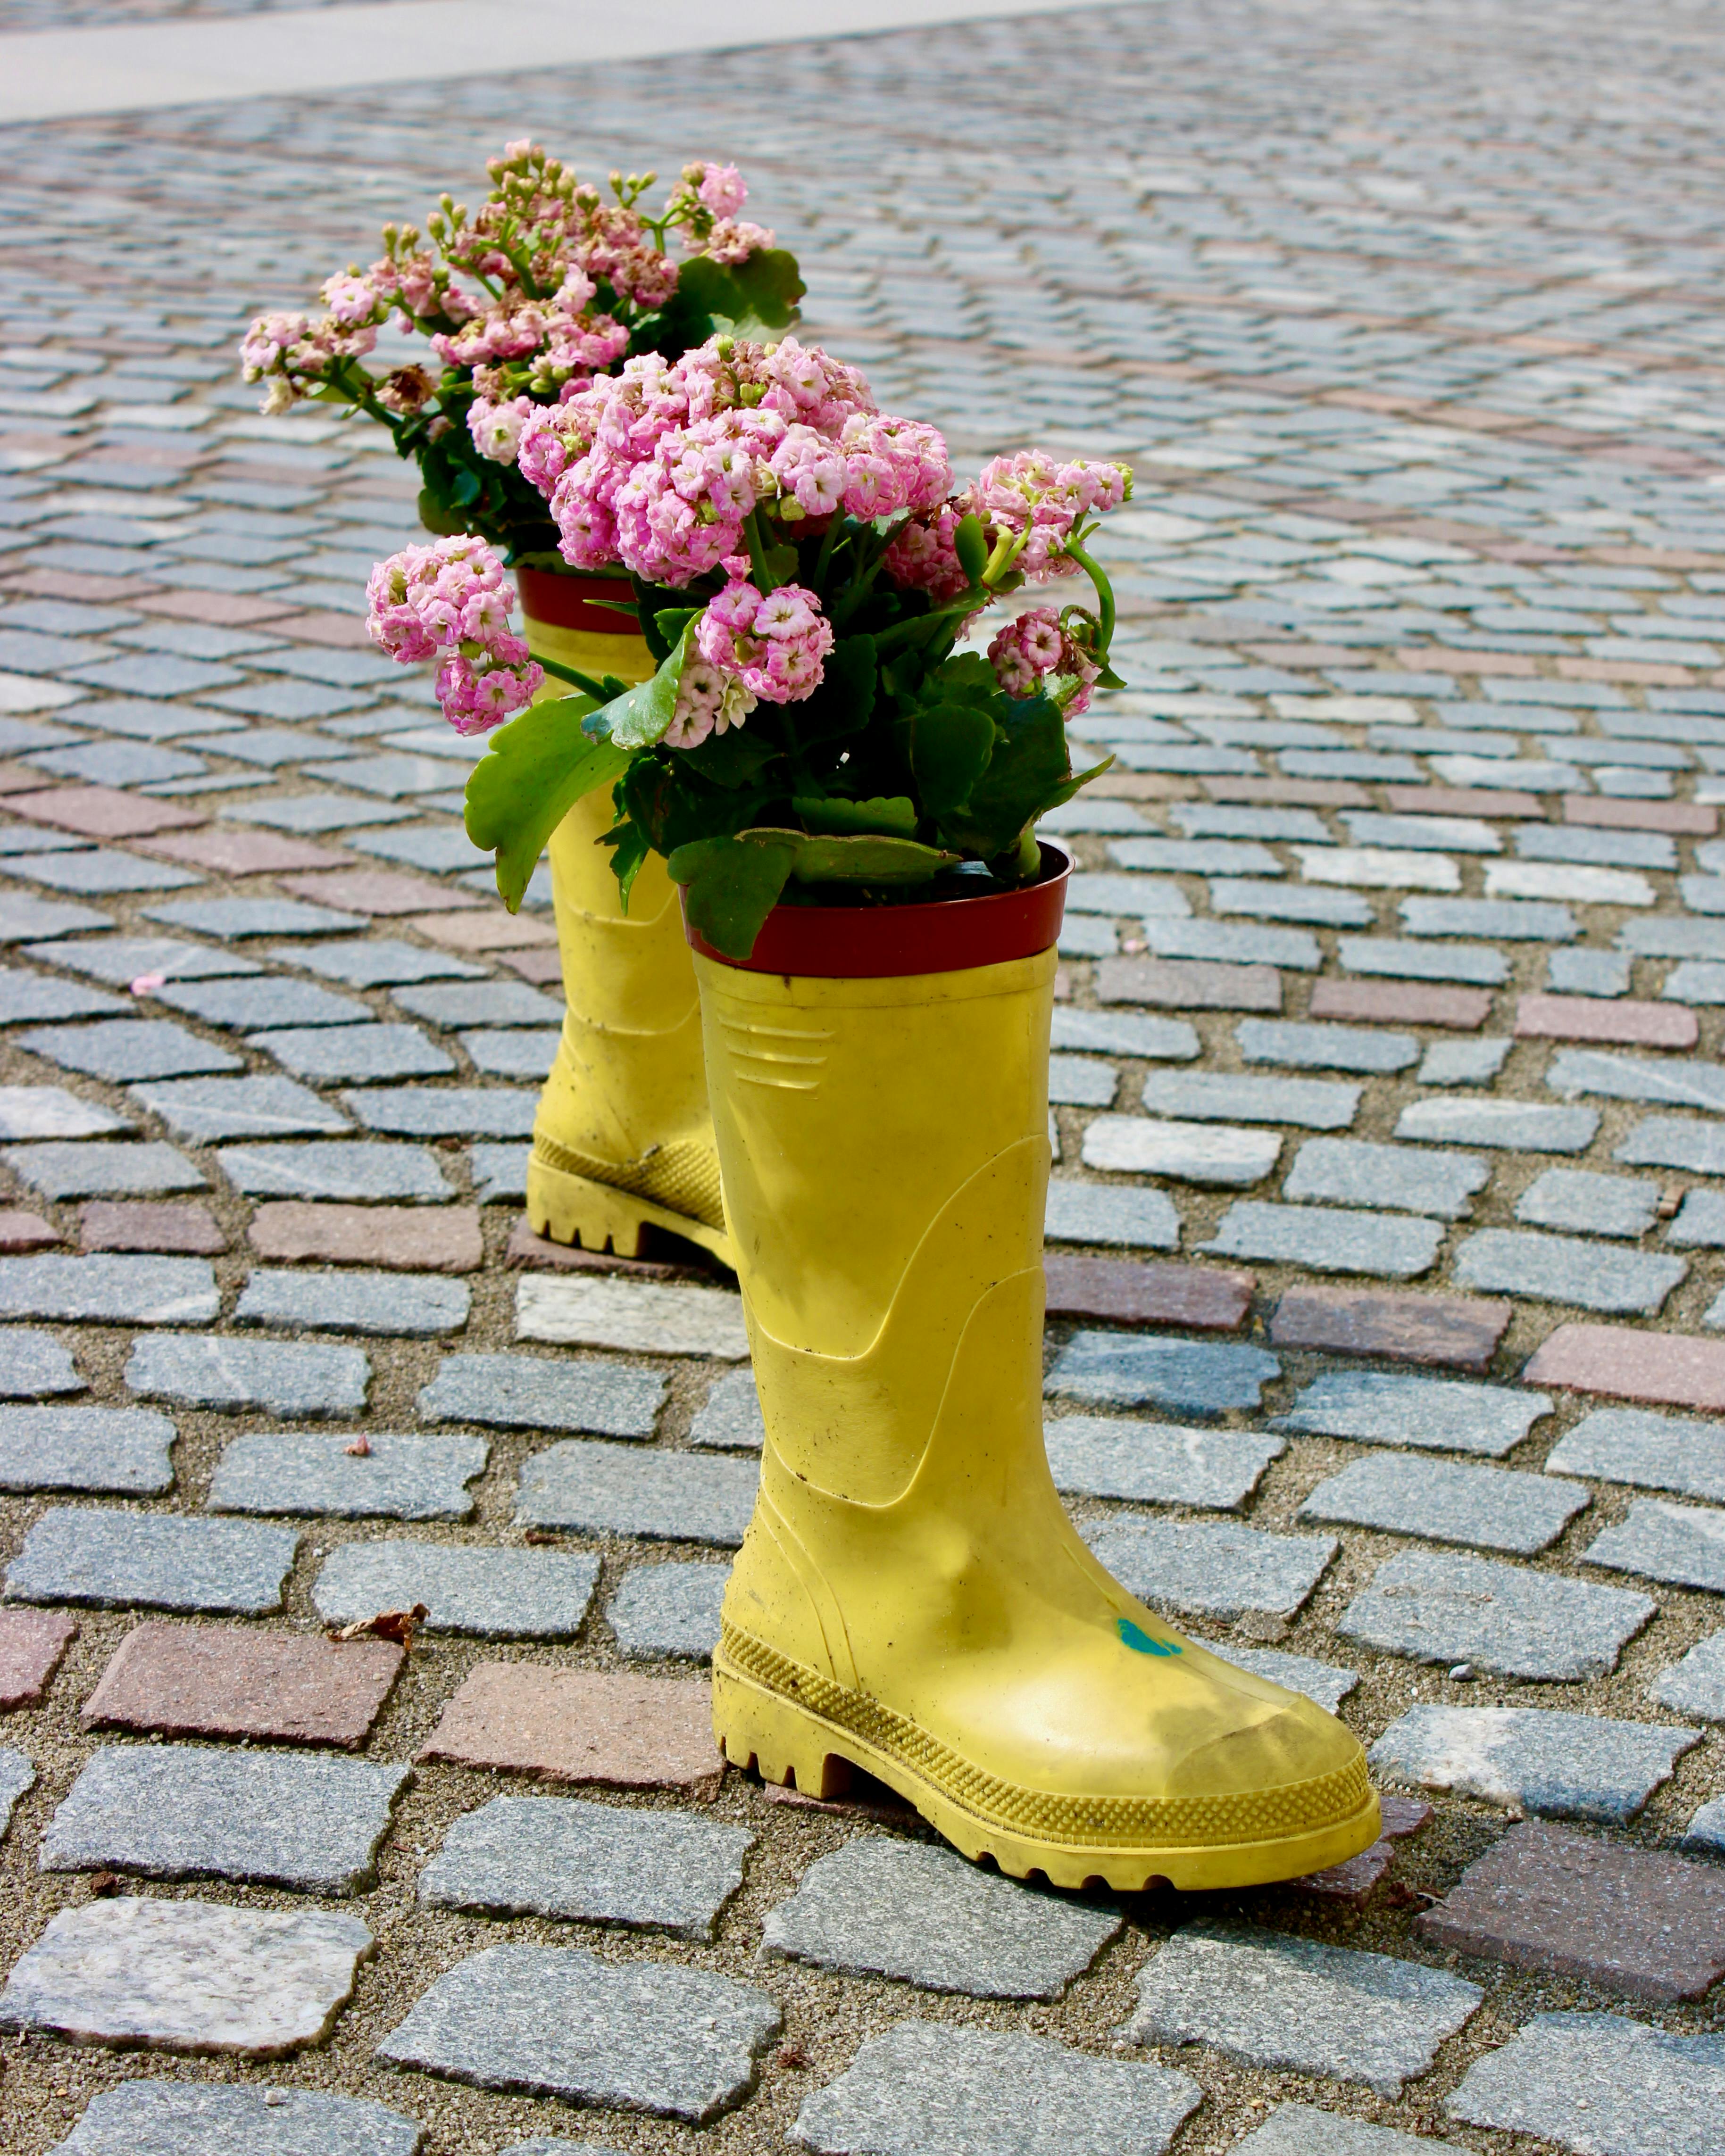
(1458, 1332)
(24, 1231)
(218, 609)
(581, 1726)
(1631, 1920)
(1598, 1017)
(1401, 1002)
(381, 891)
(31, 1644)
(1692, 818)
(1671, 1369)
(412, 1238)
(543, 967)
(102, 812)
(1122, 1292)
(243, 853)
(209, 1681)
(491, 930)
(1464, 801)
(114, 1224)
(1291, 793)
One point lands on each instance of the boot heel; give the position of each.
(784, 1742)
(569, 1208)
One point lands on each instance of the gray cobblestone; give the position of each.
(393, 1477)
(1211, 1568)
(1187, 1377)
(188, 1811)
(1682, 1544)
(1158, 1463)
(1564, 1766)
(905, 1909)
(361, 1171)
(1567, 1269)
(669, 1610)
(1276, 2001)
(1446, 1502)
(1189, 1152)
(280, 1377)
(34, 1365)
(637, 2035)
(189, 2118)
(387, 1304)
(926, 2088)
(1328, 1240)
(188, 1975)
(1349, 1171)
(1324, 1047)
(203, 1109)
(122, 1049)
(1438, 1607)
(496, 1594)
(533, 1392)
(594, 1864)
(1634, 1445)
(1696, 1684)
(110, 1290)
(1099, 1213)
(1516, 1125)
(730, 1418)
(618, 1489)
(1430, 1413)
(1599, 2081)
(118, 1451)
(1589, 1204)
(116, 1559)
(1213, 1096)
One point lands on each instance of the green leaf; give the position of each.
(744, 297)
(442, 522)
(639, 718)
(671, 622)
(535, 770)
(1030, 765)
(950, 746)
(894, 815)
(734, 758)
(844, 701)
(733, 884)
(628, 852)
(865, 858)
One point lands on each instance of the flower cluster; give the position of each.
(660, 467)
(774, 642)
(1037, 502)
(450, 601)
(563, 275)
(708, 701)
(1035, 647)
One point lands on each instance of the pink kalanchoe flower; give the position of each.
(1034, 647)
(734, 240)
(722, 189)
(922, 556)
(350, 299)
(449, 600)
(776, 643)
(497, 428)
(708, 701)
(1034, 497)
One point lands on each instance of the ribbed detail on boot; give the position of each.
(682, 1177)
(1099, 1822)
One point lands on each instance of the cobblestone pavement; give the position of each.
(1387, 1344)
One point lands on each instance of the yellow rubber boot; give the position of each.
(911, 1598)
(623, 1138)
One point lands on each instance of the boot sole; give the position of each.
(594, 1216)
(786, 1741)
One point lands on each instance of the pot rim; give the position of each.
(882, 942)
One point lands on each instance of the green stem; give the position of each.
(827, 545)
(763, 578)
(1104, 598)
